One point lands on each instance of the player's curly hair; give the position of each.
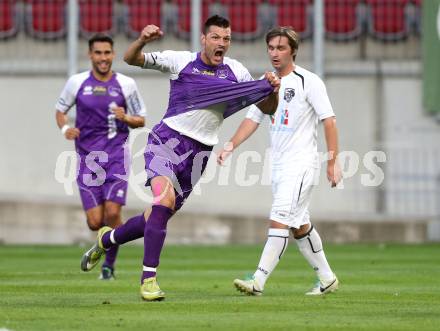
(289, 33)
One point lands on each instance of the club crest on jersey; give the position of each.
(222, 73)
(289, 93)
(114, 91)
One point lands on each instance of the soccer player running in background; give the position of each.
(295, 163)
(107, 104)
(179, 146)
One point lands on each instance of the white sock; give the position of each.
(310, 246)
(276, 245)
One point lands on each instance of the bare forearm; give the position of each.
(269, 104)
(331, 138)
(61, 119)
(244, 131)
(134, 55)
(134, 121)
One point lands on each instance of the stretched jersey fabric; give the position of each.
(303, 100)
(201, 96)
(203, 93)
(94, 99)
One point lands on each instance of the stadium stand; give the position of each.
(343, 19)
(417, 18)
(8, 19)
(297, 14)
(96, 16)
(184, 19)
(388, 20)
(139, 13)
(46, 19)
(243, 18)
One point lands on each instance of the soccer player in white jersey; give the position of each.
(293, 128)
(107, 105)
(179, 146)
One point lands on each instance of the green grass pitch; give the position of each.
(383, 287)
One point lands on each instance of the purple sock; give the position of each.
(154, 237)
(110, 257)
(130, 230)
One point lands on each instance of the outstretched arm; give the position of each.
(244, 131)
(134, 55)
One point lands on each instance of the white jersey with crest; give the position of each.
(303, 101)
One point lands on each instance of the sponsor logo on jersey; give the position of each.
(207, 72)
(99, 90)
(285, 117)
(88, 90)
(281, 214)
(272, 119)
(114, 91)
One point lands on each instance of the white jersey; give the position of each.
(201, 125)
(303, 100)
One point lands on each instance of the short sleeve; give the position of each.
(239, 70)
(167, 61)
(318, 98)
(255, 114)
(68, 95)
(133, 99)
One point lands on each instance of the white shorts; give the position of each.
(291, 192)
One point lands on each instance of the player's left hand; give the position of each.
(119, 113)
(334, 173)
(273, 80)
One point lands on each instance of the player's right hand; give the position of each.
(224, 153)
(150, 33)
(72, 133)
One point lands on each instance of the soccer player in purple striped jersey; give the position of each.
(205, 88)
(107, 105)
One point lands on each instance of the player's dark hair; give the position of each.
(289, 33)
(215, 20)
(100, 37)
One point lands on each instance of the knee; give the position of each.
(168, 201)
(112, 217)
(94, 224)
(302, 231)
(166, 198)
(163, 192)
